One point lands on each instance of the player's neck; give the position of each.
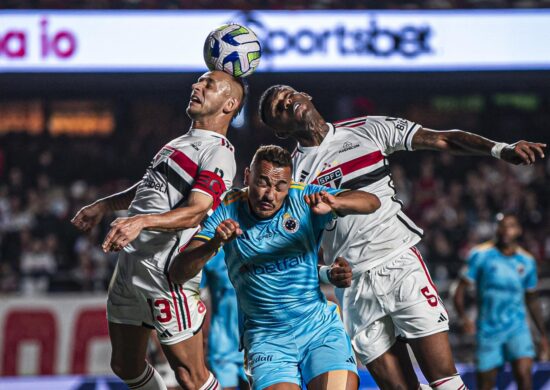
(315, 133)
(507, 249)
(211, 125)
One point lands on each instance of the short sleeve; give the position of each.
(391, 134)
(216, 172)
(531, 278)
(471, 273)
(209, 226)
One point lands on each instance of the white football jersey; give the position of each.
(200, 160)
(353, 156)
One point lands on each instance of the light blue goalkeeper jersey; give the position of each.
(273, 264)
(501, 282)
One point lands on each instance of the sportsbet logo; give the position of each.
(273, 267)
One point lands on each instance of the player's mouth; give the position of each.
(265, 206)
(195, 99)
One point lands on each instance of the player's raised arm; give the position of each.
(125, 230)
(343, 203)
(463, 142)
(188, 263)
(89, 216)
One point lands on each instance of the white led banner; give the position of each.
(359, 40)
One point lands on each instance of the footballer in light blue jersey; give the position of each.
(271, 233)
(225, 359)
(505, 277)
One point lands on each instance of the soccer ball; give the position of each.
(233, 48)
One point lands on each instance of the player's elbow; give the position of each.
(373, 203)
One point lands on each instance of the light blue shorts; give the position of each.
(493, 352)
(316, 346)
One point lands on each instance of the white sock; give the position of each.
(211, 383)
(449, 383)
(149, 380)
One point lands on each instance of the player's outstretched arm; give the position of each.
(463, 142)
(467, 324)
(345, 203)
(125, 230)
(533, 304)
(89, 216)
(188, 263)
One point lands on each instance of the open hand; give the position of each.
(88, 216)
(523, 152)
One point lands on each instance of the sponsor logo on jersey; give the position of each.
(290, 224)
(161, 156)
(347, 146)
(154, 185)
(274, 266)
(196, 145)
(331, 179)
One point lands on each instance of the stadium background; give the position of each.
(69, 137)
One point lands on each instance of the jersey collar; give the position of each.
(206, 133)
(310, 149)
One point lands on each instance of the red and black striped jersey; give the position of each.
(200, 160)
(353, 156)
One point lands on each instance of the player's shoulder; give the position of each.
(235, 195)
(526, 255)
(484, 247)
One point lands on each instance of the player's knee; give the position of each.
(122, 370)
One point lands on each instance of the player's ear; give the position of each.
(246, 176)
(307, 96)
(231, 105)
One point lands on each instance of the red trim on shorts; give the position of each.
(186, 307)
(419, 256)
(175, 303)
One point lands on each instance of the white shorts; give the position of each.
(397, 298)
(141, 294)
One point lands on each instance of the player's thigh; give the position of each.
(326, 349)
(129, 347)
(272, 360)
(486, 380)
(489, 353)
(434, 355)
(335, 380)
(394, 369)
(374, 340)
(519, 345)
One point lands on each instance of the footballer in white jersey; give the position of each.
(353, 155)
(391, 292)
(182, 185)
(141, 292)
